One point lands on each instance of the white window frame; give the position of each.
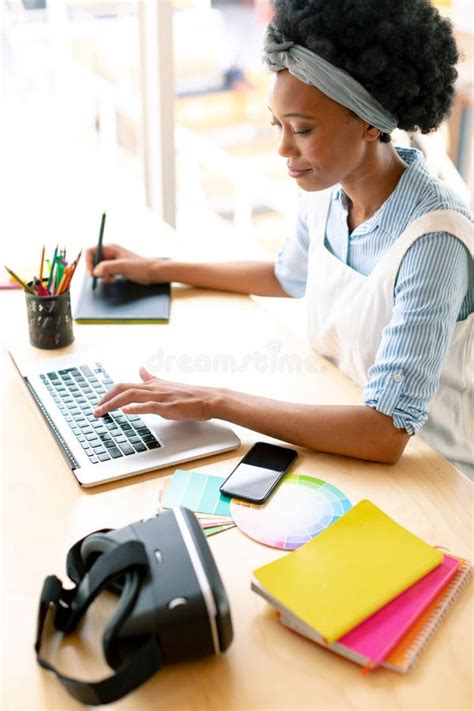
(157, 92)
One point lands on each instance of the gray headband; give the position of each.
(312, 69)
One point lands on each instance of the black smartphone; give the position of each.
(258, 473)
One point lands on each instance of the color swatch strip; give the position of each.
(197, 492)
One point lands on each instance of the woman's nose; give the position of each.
(286, 145)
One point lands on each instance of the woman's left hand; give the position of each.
(173, 401)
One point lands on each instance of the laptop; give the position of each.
(66, 390)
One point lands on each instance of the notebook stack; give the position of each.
(365, 588)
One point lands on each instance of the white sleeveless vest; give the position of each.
(347, 312)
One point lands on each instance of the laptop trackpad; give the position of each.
(185, 435)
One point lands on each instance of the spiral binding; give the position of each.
(449, 596)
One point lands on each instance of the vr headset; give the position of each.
(172, 604)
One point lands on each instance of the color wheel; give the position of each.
(300, 508)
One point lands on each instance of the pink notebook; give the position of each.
(375, 637)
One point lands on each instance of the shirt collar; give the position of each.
(403, 193)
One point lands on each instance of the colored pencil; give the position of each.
(53, 264)
(68, 275)
(41, 265)
(41, 290)
(62, 284)
(59, 279)
(19, 281)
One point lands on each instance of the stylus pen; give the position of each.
(98, 251)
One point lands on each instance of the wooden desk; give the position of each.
(267, 667)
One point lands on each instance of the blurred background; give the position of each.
(115, 104)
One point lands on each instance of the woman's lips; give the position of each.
(293, 173)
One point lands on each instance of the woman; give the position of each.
(382, 250)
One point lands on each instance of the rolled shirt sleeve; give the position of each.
(431, 286)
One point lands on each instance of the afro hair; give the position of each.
(402, 51)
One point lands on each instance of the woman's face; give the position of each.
(323, 142)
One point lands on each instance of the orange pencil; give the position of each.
(62, 284)
(68, 275)
(65, 281)
(41, 266)
(74, 264)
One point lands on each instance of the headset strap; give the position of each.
(75, 566)
(70, 605)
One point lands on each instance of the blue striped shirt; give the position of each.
(433, 290)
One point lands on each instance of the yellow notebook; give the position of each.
(349, 571)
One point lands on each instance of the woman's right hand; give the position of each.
(117, 260)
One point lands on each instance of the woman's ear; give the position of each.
(372, 133)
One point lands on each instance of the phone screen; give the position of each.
(257, 474)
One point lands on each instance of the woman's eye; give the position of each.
(295, 133)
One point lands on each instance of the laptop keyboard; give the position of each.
(76, 391)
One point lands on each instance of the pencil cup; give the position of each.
(49, 320)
